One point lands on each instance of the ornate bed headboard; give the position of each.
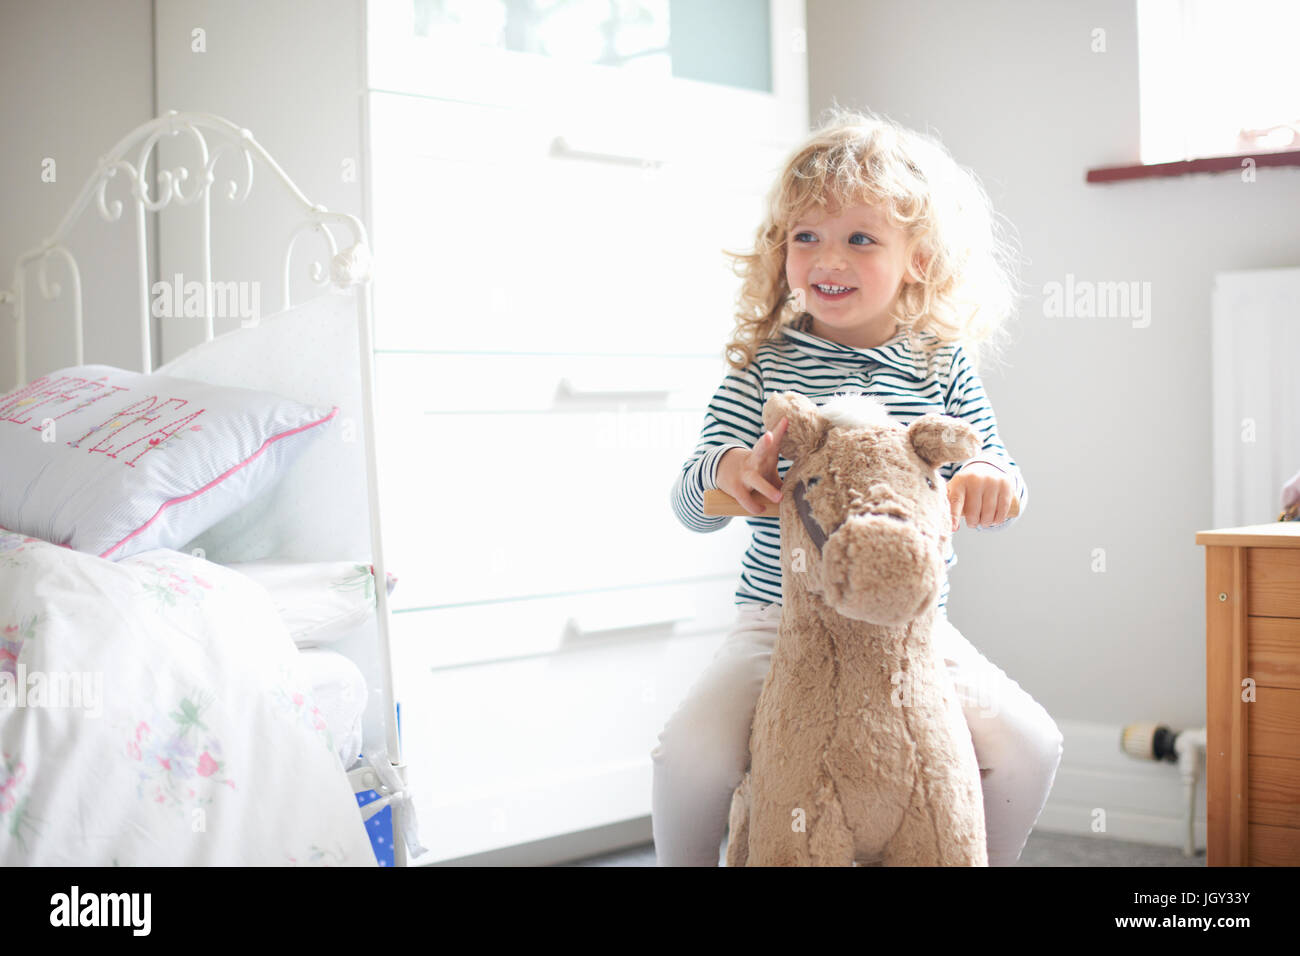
(349, 263)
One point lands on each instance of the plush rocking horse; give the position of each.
(859, 752)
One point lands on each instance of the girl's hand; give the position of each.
(750, 475)
(1291, 492)
(981, 492)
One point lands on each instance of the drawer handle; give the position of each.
(568, 391)
(562, 148)
(596, 624)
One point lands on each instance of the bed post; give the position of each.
(393, 742)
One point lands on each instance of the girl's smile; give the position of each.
(851, 265)
(831, 291)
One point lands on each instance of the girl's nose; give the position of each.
(830, 260)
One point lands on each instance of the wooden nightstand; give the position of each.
(1252, 647)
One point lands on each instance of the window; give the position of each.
(1218, 79)
(661, 38)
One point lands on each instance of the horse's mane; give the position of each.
(854, 410)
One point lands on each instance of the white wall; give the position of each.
(291, 73)
(1110, 423)
(76, 75)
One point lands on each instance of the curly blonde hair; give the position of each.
(965, 260)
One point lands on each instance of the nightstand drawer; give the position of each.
(1273, 651)
(1273, 846)
(1273, 582)
(1274, 798)
(1273, 723)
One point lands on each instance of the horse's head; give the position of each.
(864, 501)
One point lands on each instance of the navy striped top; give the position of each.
(911, 374)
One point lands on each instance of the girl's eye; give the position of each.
(804, 237)
(867, 240)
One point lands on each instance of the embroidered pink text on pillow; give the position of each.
(25, 399)
(121, 421)
(79, 464)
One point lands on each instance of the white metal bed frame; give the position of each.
(348, 268)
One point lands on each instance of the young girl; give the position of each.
(877, 266)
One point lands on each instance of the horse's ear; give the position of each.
(806, 428)
(942, 438)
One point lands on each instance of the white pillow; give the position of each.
(113, 462)
(320, 602)
(308, 353)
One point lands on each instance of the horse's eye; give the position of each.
(929, 481)
(811, 481)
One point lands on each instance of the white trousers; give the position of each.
(703, 750)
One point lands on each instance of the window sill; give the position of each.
(1209, 164)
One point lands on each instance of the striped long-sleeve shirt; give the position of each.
(912, 374)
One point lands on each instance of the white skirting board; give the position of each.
(1143, 802)
(565, 848)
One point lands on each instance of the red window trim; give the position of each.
(1210, 164)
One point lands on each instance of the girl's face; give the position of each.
(850, 264)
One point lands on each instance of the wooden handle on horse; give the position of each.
(718, 503)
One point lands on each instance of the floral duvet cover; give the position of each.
(152, 713)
